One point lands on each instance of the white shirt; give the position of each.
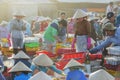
(109, 9)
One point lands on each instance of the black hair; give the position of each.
(110, 14)
(111, 3)
(74, 68)
(63, 22)
(62, 13)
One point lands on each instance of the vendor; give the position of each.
(50, 35)
(113, 38)
(41, 75)
(21, 56)
(82, 30)
(75, 72)
(101, 75)
(44, 63)
(21, 71)
(17, 29)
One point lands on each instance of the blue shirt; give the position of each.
(2, 77)
(115, 39)
(22, 76)
(76, 75)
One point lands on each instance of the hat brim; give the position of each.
(114, 28)
(20, 15)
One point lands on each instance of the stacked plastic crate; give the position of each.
(79, 56)
(32, 45)
(112, 62)
(5, 47)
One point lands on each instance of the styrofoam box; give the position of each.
(115, 50)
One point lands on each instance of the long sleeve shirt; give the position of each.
(22, 76)
(17, 28)
(115, 40)
(76, 75)
(2, 77)
(44, 69)
(82, 28)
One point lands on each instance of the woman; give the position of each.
(17, 29)
(75, 73)
(51, 35)
(43, 63)
(82, 30)
(21, 71)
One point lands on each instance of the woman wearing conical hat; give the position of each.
(75, 73)
(17, 28)
(44, 63)
(101, 75)
(41, 76)
(82, 30)
(23, 57)
(21, 71)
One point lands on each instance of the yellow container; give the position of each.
(32, 49)
(112, 72)
(4, 40)
(69, 40)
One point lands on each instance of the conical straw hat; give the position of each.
(20, 67)
(19, 13)
(21, 55)
(101, 75)
(40, 76)
(79, 14)
(4, 23)
(42, 60)
(73, 63)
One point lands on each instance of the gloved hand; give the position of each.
(93, 51)
(63, 74)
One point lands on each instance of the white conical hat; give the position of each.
(79, 14)
(4, 23)
(41, 18)
(21, 55)
(40, 76)
(20, 67)
(19, 13)
(93, 18)
(101, 75)
(43, 60)
(73, 63)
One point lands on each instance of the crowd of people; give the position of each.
(87, 31)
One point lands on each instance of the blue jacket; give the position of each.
(25, 61)
(115, 40)
(2, 77)
(76, 75)
(22, 76)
